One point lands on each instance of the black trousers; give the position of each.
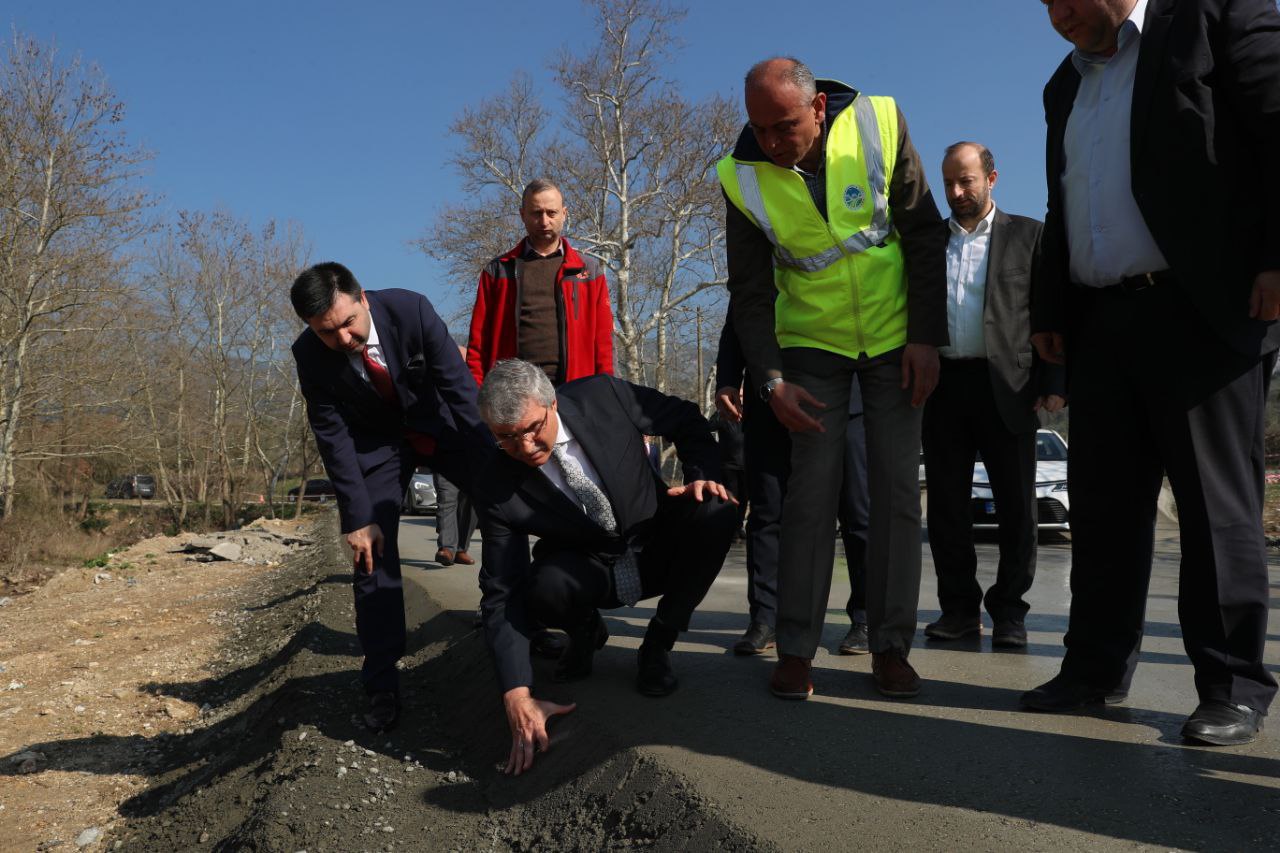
(379, 595)
(767, 448)
(680, 562)
(1154, 392)
(735, 480)
(960, 421)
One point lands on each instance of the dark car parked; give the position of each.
(316, 490)
(132, 486)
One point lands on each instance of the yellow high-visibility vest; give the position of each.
(841, 281)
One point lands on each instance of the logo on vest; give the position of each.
(854, 197)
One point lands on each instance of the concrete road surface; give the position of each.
(958, 768)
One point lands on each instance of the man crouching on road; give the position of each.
(610, 533)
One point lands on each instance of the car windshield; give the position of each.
(146, 480)
(1049, 448)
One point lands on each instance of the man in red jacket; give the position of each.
(542, 301)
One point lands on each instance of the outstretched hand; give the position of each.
(920, 369)
(729, 403)
(528, 718)
(1050, 346)
(786, 401)
(365, 542)
(1264, 301)
(701, 490)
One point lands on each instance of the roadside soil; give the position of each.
(191, 706)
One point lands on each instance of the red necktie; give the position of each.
(423, 445)
(380, 378)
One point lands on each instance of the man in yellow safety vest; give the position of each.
(829, 210)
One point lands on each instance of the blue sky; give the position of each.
(335, 116)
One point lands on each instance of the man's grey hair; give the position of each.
(509, 387)
(792, 71)
(537, 185)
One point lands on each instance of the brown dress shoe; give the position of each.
(462, 558)
(444, 556)
(791, 678)
(894, 676)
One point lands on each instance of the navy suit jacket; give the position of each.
(1205, 132)
(609, 418)
(356, 430)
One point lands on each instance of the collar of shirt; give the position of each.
(551, 468)
(822, 157)
(983, 226)
(563, 434)
(532, 254)
(1130, 30)
(375, 352)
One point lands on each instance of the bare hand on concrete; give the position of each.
(920, 371)
(1050, 346)
(528, 718)
(365, 542)
(700, 490)
(1264, 301)
(729, 403)
(785, 402)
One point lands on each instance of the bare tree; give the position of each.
(68, 204)
(636, 162)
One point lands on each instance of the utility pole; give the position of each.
(698, 388)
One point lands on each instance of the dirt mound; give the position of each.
(278, 761)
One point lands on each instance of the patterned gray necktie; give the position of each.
(626, 576)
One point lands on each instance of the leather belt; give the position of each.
(1134, 283)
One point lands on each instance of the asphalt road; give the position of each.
(960, 767)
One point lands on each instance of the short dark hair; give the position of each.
(984, 154)
(537, 185)
(313, 292)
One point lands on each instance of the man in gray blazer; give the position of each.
(989, 391)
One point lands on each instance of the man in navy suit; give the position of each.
(610, 532)
(386, 390)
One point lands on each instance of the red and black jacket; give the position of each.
(582, 306)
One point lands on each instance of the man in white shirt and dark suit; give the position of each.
(989, 391)
(575, 473)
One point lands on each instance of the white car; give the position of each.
(420, 497)
(1052, 504)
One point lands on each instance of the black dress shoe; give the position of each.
(656, 677)
(575, 661)
(1067, 694)
(855, 642)
(1220, 723)
(1009, 635)
(953, 626)
(384, 711)
(758, 640)
(548, 644)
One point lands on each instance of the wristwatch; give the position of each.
(766, 390)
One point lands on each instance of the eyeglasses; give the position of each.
(514, 439)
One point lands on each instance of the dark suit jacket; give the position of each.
(610, 418)
(1018, 377)
(1206, 174)
(355, 430)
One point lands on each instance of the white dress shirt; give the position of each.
(967, 253)
(551, 468)
(1106, 235)
(375, 352)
